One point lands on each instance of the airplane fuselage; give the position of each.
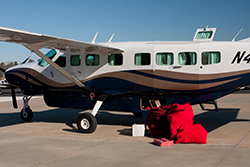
(127, 76)
(175, 71)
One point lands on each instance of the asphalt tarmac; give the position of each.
(52, 139)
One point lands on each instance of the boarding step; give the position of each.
(212, 102)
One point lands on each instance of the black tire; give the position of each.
(86, 123)
(27, 115)
(137, 114)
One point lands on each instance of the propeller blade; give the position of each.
(3, 70)
(13, 93)
(25, 60)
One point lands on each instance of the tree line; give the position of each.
(7, 65)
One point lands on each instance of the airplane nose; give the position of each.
(11, 77)
(17, 77)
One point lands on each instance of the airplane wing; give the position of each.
(4, 87)
(41, 41)
(34, 42)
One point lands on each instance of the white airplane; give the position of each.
(127, 76)
(4, 84)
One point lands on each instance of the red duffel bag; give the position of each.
(157, 122)
(192, 134)
(178, 115)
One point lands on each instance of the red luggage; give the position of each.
(192, 134)
(176, 121)
(163, 142)
(157, 123)
(178, 115)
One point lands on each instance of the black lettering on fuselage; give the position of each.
(238, 57)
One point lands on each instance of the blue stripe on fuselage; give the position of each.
(186, 81)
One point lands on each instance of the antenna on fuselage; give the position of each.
(111, 38)
(93, 41)
(237, 34)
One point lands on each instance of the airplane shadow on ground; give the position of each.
(69, 117)
(210, 120)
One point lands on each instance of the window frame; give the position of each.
(187, 58)
(50, 54)
(93, 63)
(115, 63)
(204, 35)
(210, 52)
(79, 60)
(172, 58)
(144, 54)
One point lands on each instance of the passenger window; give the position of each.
(92, 60)
(211, 58)
(115, 59)
(142, 59)
(164, 58)
(61, 61)
(75, 60)
(187, 58)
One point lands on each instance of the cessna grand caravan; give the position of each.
(127, 76)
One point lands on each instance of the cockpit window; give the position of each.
(61, 61)
(50, 55)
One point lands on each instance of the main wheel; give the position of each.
(86, 123)
(26, 115)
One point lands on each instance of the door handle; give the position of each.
(176, 67)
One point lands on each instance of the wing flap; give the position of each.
(41, 41)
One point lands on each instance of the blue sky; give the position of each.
(130, 20)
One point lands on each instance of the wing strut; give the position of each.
(62, 71)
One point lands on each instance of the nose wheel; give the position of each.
(26, 114)
(86, 123)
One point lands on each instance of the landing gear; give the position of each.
(86, 123)
(26, 112)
